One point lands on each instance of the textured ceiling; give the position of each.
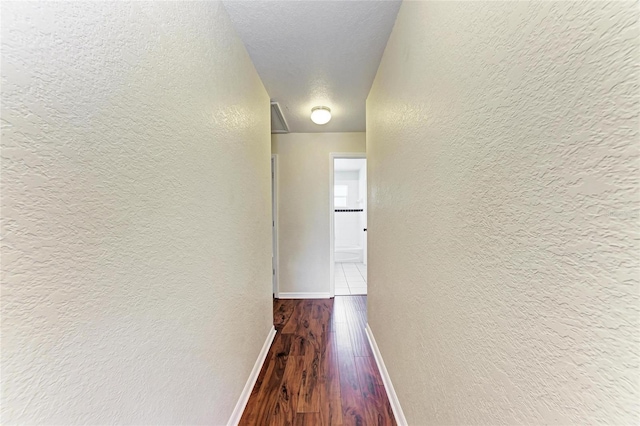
(311, 53)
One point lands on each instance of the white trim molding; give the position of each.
(386, 380)
(253, 377)
(304, 295)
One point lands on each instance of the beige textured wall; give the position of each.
(303, 206)
(502, 140)
(135, 213)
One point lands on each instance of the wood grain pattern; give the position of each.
(285, 411)
(261, 411)
(308, 419)
(309, 396)
(330, 401)
(319, 369)
(377, 411)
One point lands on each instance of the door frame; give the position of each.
(332, 249)
(275, 267)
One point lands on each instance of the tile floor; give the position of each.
(351, 278)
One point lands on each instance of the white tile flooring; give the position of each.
(351, 278)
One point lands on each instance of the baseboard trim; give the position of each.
(386, 380)
(253, 377)
(303, 295)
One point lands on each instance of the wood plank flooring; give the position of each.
(320, 369)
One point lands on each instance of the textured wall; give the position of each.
(303, 205)
(504, 135)
(136, 278)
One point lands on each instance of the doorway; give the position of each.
(348, 239)
(274, 225)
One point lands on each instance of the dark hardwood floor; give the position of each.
(320, 369)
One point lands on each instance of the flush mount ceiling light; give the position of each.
(320, 114)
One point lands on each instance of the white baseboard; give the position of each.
(248, 387)
(303, 295)
(391, 393)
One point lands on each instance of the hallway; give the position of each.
(168, 168)
(320, 369)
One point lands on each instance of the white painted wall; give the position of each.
(351, 175)
(502, 142)
(135, 213)
(346, 229)
(362, 190)
(347, 224)
(303, 205)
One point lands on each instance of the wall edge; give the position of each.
(386, 379)
(236, 415)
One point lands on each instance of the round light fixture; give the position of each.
(320, 114)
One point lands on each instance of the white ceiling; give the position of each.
(311, 53)
(349, 164)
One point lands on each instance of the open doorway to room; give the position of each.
(274, 225)
(348, 224)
